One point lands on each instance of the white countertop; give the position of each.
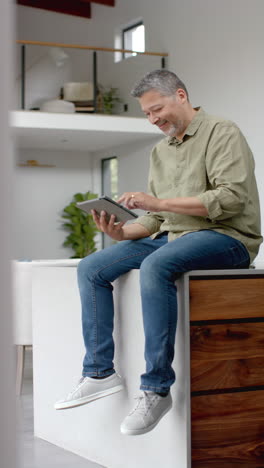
(60, 262)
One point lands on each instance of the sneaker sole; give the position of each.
(132, 432)
(88, 399)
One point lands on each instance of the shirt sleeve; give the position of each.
(229, 165)
(151, 221)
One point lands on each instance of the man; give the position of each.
(202, 213)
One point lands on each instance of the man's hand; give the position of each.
(116, 230)
(109, 227)
(181, 205)
(140, 200)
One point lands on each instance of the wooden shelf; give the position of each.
(80, 132)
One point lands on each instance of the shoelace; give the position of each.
(80, 382)
(144, 403)
(76, 387)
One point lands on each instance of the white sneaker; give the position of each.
(89, 389)
(149, 410)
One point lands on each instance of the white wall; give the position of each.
(133, 164)
(36, 24)
(41, 194)
(7, 393)
(215, 47)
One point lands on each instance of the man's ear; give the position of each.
(181, 95)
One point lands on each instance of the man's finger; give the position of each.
(111, 221)
(122, 199)
(96, 218)
(125, 197)
(103, 220)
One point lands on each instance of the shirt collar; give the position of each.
(192, 127)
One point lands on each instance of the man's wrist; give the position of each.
(162, 204)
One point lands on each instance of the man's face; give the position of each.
(166, 112)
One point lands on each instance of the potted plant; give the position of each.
(81, 226)
(110, 98)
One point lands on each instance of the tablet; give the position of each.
(109, 206)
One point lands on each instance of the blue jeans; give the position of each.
(160, 263)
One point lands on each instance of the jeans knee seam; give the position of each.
(117, 261)
(219, 254)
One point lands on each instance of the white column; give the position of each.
(7, 388)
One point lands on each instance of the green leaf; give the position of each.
(81, 225)
(68, 225)
(78, 197)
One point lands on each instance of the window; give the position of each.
(109, 177)
(109, 187)
(133, 38)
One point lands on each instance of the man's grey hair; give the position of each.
(164, 81)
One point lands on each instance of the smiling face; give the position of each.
(172, 114)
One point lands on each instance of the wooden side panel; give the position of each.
(227, 341)
(228, 430)
(227, 356)
(218, 299)
(237, 373)
(69, 7)
(102, 2)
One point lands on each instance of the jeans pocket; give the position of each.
(240, 256)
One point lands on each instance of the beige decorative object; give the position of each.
(58, 106)
(78, 91)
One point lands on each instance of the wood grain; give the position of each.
(228, 430)
(237, 373)
(227, 341)
(216, 299)
(227, 356)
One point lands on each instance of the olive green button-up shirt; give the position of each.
(214, 163)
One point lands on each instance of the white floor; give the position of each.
(34, 452)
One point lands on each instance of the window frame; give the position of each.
(103, 160)
(126, 29)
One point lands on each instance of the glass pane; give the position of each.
(134, 39)
(106, 177)
(114, 178)
(138, 38)
(109, 187)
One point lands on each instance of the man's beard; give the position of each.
(171, 131)
(175, 129)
